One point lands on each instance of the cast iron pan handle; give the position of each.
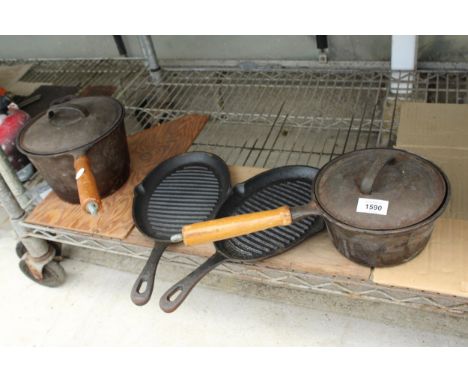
(147, 276)
(69, 109)
(176, 295)
(367, 183)
(238, 225)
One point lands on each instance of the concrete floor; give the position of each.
(94, 308)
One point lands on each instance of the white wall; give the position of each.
(198, 47)
(342, 48)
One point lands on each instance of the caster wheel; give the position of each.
(53, 272)
(21, 249)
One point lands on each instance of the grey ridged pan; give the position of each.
(182, 190)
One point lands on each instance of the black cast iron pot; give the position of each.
(80, 148)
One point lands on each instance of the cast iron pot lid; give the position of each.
(70, 125)
(402, 189)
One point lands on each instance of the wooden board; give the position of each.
(315, 255)
(98, 90)
(147, 149)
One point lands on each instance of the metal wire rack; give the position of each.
(266, 118)
(363, 289)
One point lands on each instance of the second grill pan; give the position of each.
(182, 190)
(288, 185)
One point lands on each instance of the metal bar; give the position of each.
(416, 86)
(447, 80)
(147, 47)
(393, 116)
(376, 103)
(271, 130)
(275, 140)
(362, 119)
(14, 184)
(36, 248)
(356, 103)
(339, 130)
(120, 45)
(9, 202)
(327, 76)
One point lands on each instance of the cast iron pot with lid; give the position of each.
(379, 207)
(80, 148)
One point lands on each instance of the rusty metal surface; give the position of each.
(359, 236)
(109, 159)
(373, 250)
(413, 187)
(380, 248)
(37, 264)
(75, 124)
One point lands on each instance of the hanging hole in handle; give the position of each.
(142, 287)
(50, 114)
(174, 294)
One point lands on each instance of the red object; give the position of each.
(9, 128)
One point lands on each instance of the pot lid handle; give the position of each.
(66, 112)
(367, 183)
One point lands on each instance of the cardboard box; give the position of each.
(439, 132)
(442, 267)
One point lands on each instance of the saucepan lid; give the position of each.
(380, 189)
(70, 125)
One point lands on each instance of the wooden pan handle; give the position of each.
(226, 228)
(87, 189)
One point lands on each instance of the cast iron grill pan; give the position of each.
(187, 195)
(289, 185)
(265, 243)
(185, 189)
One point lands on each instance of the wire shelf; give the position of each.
(362, 289)
(265, 118)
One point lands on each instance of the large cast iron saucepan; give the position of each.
(288, 185)
(184, 189)
(379, 206)
(80, 148)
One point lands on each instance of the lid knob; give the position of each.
(367, 183)
(66, 111)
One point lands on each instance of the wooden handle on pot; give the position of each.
(226, 228)
(87, 189)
